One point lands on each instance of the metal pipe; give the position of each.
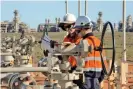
(78, 7)
(124, 29)
(66, 6)
(85, 7)
(6, 54)
(24, 69)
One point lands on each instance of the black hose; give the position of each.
(113, 48)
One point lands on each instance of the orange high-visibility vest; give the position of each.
(93, 61)
(72, 59)
(72, 40)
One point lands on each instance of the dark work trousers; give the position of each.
(92, 80)
(90, 83)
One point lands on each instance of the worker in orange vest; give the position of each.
(93, 70)
(67, 24)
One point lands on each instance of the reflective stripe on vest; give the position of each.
(94, 58)
(93, 69)
(93, 61)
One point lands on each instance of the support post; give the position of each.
(124, 65)
(124, 29)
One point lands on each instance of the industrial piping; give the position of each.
(24, 69)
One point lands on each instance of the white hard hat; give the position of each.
(69, 18)
(83, 21)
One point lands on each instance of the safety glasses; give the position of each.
(78, 29)
(69, 26)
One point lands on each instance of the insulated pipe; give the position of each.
(6, 54)
(24, 69)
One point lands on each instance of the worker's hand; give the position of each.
(45, 52)
(40, 42)
(53, 43)
(72, 69)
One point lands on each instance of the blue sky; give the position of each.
(35, 12)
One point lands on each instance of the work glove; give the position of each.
(52, 43)
(72, 69)
(45, 52)
(40, 41)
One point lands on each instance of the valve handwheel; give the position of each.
(109, 70)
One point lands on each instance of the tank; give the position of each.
(7, 59)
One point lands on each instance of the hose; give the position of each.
(113, 48)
